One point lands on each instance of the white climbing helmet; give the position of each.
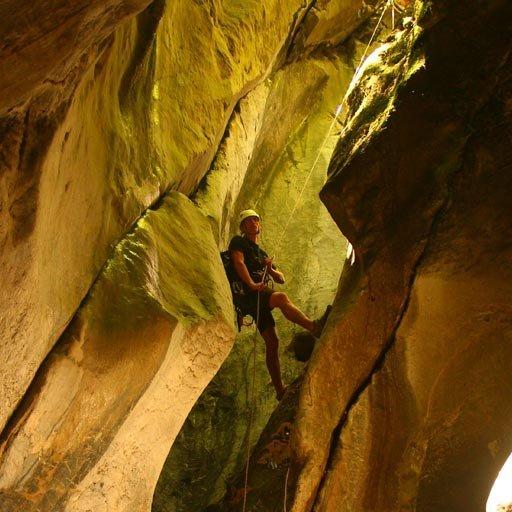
(248, 213)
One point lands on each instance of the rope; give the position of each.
(253, 396)
(336, 115)
(285, 500)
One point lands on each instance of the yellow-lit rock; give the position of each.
(265, 162)
(115, 111)
(404, 404)
(115, 311)
(107, 403)
(418, 347)
(328, 23)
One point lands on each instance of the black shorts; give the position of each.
(249, 306)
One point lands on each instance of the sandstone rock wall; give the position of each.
(103, 113)
(264, 163)
(404, 405)
(115, 309)
(117, 111)
(420, 340)
(110, 398)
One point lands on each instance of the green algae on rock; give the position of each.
(119, 110)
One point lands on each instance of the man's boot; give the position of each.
(320, 322)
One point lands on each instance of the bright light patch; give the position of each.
(372, 59)
(501, 492)
(351, 254)
(155, 113)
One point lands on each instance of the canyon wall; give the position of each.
(404, 405)
(133, 132)
(107, 110)
(270, 161)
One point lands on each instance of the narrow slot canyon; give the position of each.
(369, 141)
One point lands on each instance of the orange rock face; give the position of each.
(405, 394)
(404, 404)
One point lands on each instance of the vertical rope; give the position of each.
(336, 115)
(278, 246)
(285, 500)
(251, 414)
(253, 397)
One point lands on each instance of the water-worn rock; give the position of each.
(115, 110)
(119, 110)
(59, 151)
(115, 308)
(426, 305)
(403, 404)
(112, 395)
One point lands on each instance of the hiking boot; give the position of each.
(320, 322)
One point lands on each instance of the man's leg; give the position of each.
(290, 311)
(272, 359)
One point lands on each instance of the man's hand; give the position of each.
(277, 276)
(257, 287)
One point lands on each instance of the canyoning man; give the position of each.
(251, 263)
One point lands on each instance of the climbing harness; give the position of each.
(237, 290)
(387, 4)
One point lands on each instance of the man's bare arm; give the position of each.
(237, 257)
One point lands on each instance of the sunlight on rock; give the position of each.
(500, 499)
